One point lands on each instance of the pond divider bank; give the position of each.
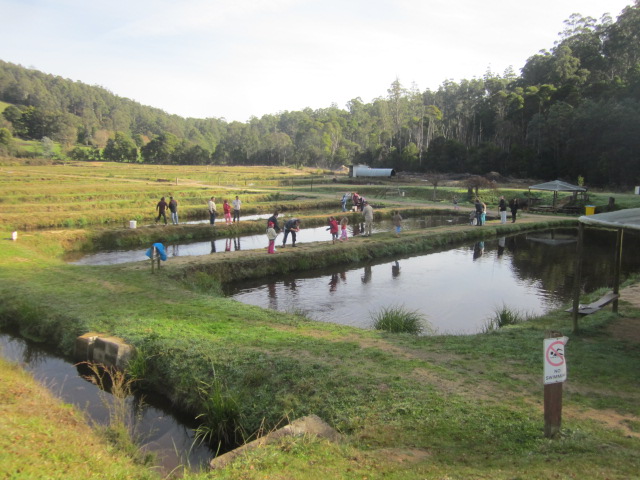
(245, 265)
(146, 235)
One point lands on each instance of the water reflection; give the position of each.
(249, 242)
(457, 289)
(165, 433)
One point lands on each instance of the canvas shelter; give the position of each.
(557, 186)
(366, 171)
(620, 221)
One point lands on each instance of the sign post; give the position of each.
(555, 372)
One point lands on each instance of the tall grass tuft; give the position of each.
(397, 319)
(503, 317)
(221, 419)
(120, 429)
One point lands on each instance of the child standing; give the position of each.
(227, 212)
(271, 236)
(343, 228)
(397, 222)
(333, 228)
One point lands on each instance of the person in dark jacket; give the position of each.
(502, 208)
(274, 219)
(291, 227)
(479, 210)
(161, 207)
(514, 209)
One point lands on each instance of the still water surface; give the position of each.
(159, 430)
(251, 242)
(457, 290)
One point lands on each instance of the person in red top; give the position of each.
(227, 212)
(333, 228)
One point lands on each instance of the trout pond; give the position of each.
(456, 290)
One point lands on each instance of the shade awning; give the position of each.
(558, 186)
(625, 219)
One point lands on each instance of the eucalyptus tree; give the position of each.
(120, 149)
(622, 44)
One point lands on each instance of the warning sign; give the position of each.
(555, 363)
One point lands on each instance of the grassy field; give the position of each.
(430, 407)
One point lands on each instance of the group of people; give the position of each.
(161, 208)
(358, 201)
(227, 210)
(479, 215)
(338, 230)
(291, 227)
(231, 211)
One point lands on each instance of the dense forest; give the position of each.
(574, 111)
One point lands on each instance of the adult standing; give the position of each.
(161, 208)
(292, 227)
(173, 208)
(478, 206)
(236, 209)
(514, 209)
(274, 219)
(367, 211)
(212, 210)
(502, 208)
(484, 213)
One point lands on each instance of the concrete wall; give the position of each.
(103, 349)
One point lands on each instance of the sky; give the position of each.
(237, 59)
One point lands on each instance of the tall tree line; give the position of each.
(574, 110)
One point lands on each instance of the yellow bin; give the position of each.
(589, 209)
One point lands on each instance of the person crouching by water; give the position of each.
(333, 229)
(271, 236)
(291, 227)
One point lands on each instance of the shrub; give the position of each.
(502, 317)
(397, 319)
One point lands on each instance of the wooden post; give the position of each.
(552, 403)
(153, 259)
(616, 269)
(577, 277)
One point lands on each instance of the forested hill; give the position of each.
(573, 110)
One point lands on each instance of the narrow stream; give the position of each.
(159, 430)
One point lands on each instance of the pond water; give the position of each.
(457, 290)
(252, 242)
(159, 429)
